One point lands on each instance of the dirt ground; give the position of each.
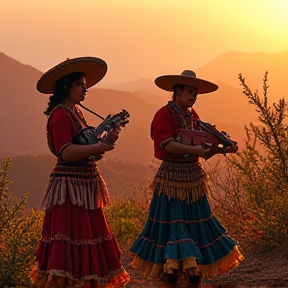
(257, 270)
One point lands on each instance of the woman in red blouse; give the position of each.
(182, 239)
(77, 248)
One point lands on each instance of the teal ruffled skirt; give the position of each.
(181, 232)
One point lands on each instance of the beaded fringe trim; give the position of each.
(91, 193)
(189, 192)
(184, 181)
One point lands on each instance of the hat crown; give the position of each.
(188, 73)
(186, 78)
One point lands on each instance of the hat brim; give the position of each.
(167, 82)
(94, 69)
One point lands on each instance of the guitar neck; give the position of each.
(210, 128)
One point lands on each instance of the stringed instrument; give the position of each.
(208, 137)
(92, 135)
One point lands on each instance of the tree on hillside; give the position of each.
(256, 191)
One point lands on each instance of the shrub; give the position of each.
(127, 217)
(256, 191)
(19, 233)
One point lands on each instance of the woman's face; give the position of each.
(186, 97)
(78, 91)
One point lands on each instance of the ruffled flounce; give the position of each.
(91, 193)
(186, 237)
(189, 266)
(62, 279)
(77, 248)
(93, 262)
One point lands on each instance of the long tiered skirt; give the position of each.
(77, 247)
(181, 233)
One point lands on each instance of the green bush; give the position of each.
(256, 191)
(19, 233)
(127, 217)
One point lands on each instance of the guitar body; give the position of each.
(210, 138)
(86, 136)
(194, 137)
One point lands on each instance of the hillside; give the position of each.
(225, 69)
(23, 122)
(21, 109)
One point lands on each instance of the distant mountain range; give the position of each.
(23, 122)
(226, 68)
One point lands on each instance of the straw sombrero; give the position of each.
(94, 69)
(188, 78)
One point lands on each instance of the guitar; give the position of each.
(208, 137)
(91, 135)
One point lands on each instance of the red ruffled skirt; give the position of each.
(77, 249)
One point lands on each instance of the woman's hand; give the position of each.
(212, 150)
(204, 150)
(113, 135)
(75, 152)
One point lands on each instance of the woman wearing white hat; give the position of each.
(182, 237)
(77, 248)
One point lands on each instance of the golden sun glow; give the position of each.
(137, 33)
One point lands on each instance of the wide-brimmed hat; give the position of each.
(187, 78)
(94, 69)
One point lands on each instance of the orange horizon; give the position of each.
(140, 39)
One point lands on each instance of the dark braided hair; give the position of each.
(62, 88)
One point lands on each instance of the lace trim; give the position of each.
(60, 278)
(62, 237)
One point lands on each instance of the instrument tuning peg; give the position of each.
(225, 134)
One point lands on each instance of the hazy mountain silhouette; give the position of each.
(226, 68)
(21, 109)
(145, 85)
(23, 122)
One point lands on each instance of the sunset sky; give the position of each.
(140, 38)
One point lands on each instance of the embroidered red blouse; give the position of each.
(165, 127)
(62, 126)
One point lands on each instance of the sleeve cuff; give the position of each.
(163, 143)
(62, 149)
